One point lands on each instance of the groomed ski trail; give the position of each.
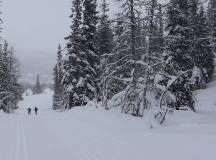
(21, 147)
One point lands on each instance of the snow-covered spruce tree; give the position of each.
(10, 89)
(4, 77)
(104, 32)
(212, 22)
(201, 49)
(177, 58)
(15, 87)
(37, 89)
(89, 80)
(81, 67)
(105, 45)
(58, 96)
(72, 69)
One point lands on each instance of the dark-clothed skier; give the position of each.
(29, 111)
(36, 110)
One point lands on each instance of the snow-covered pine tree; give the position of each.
(58, 96)
(73, 64)
(10, 89)
(88, 80)
(104, 32)
(212, 22)
(201, 51)
(81, 67)
(14, 86)
(105, 45)
(178, 61)
(37, 89)
(55, 86)
(4, 77)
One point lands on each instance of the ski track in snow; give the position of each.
(21, 147)
(25, 148)
(18, 137)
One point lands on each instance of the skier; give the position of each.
(36, 110)
(29, 111)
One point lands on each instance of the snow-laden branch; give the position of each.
(170, 84)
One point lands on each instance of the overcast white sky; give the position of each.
(35, 28)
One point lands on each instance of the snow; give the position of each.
(28, 92)
(80, 82)
(87, 133)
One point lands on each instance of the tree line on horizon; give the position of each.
(150, 55)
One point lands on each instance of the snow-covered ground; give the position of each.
(90, 134)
